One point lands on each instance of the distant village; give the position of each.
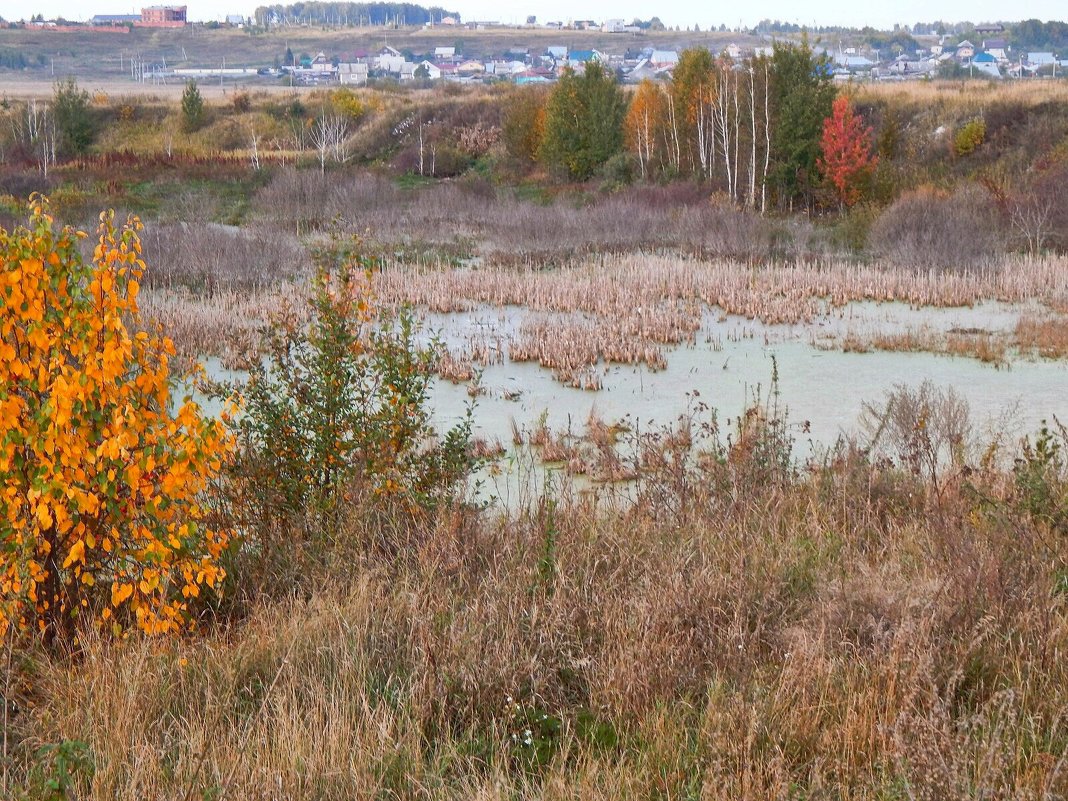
(990, 56)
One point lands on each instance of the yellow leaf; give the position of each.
(77, 554)
(120, 592)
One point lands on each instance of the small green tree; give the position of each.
(339, 410)
(584, 121)
(193, 114)
(74, 118)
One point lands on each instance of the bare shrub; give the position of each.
(208, 257)
(925, 428)
(1038, 214)
(678, 217)
(961, 231)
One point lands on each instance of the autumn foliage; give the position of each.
(846, 158)
(644, 124)
(101, 479)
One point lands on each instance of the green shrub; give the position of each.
(969, 137)
(59, 770)
(193, 114)
(339, 411)
(74, 118)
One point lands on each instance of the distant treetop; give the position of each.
(345, 14)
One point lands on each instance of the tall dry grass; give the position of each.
(472, 218)
(966, 96)
(841, 632)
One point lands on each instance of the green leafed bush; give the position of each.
(339, 411)
(969, 137)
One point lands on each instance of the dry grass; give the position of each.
(225, 323)
(1046, 336)
(985, 346)
(842, 633)
(966, 96)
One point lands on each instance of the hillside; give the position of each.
(105, 57)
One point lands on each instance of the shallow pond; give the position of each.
(731, 363)
(733, 359)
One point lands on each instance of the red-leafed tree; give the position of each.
(846, 160)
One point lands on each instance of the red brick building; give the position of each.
(163, 16)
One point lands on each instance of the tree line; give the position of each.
(754, 131)
(350, 14)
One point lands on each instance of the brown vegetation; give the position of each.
(1046, 336)
(739, 632)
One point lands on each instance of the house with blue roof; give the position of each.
(577, 58)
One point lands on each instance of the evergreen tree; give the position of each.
(192, 108)
(73, 116)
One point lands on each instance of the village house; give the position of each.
(470, 67)
(643, 70)
(903, 65)
(388, 59)
(998, 48)
(505, 69)
(115, 19)
(986, 64)
(352, 73)
(854, 63)
(532, 76)
(409, 70)
(579, 58)
(663, 58)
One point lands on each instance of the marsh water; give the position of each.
(731, 365)
(822, 388)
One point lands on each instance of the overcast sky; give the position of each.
(672, 12)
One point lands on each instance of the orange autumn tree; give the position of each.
(644, 125)
(101, 482)
(846, 160)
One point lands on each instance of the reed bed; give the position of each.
(1047, 336)
(656, 286)
(225, 324)
(628, 309)
(988, 347)
(570, 346)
